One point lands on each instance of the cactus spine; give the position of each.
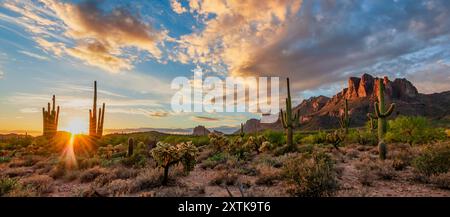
(289, 120)
(96, 123)
(50, 119)
(344, 119)
(130, 146)
(381, 114)
(241, 132)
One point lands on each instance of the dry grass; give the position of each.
(89, 175)
(40, 184)
(16, 172)
(441, 180)
(224, 178)
(149, 178)
(267, 175)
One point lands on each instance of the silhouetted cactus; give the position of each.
(289, 120)
(50, 119)
(241, 132)
(96, 125)
(130, 146)
(344, 118)
(381, 114)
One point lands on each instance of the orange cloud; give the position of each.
(84, 31)
(238, 31)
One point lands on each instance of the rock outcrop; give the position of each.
(200, 131)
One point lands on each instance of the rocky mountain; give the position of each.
(322, 112)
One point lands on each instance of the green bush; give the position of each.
(312, 174)
(317, 138)
(275, 137)
(413, 130)
(433, 160)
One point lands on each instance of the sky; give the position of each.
(134, 49)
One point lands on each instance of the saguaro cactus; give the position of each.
(290, 121)
(344, 119)
(50, 119)
(241, 132)
(381, 114)
(96, 123)
(130, 146)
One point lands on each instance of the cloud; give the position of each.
(30, 54)
(204, 119)
(1, 73)
(100, 38)
(316, 43)
(177, 7)
(237, 30)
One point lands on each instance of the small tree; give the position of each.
(413, 130)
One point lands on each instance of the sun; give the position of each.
(76, 126)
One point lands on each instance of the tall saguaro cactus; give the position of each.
(96, 123)
(50, 119)
(344, 119)
(290, 121)
(381, 114)
(241, 131)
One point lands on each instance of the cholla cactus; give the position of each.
(167, 155)
(266, 146)
(254, 143)
(219, 142)
(50, 119)
(290, 121)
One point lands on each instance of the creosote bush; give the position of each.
(313, 175)
(434, 159)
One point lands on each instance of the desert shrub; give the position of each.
(6, 185)
(89, 175)
(441, 180)
(298, 138)
(39, 184)
(385, 170)
(150, 178)
(317, 138)
(4, 159)
(196, 140)
(224, 178)
(267, 175)
(88, 162)
(214, 160)
(136, 160)
(433, 160)
(413, 130)
(366, 177)
(312, 174)
(275, 137)
(16, 171)
(167, 155)
(119, 187)
(367, 138)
